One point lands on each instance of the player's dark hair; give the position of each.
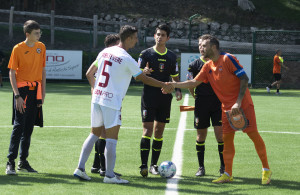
(111, 40)
(127, 31)
(163, 27)
(212, 40)
(277, 51)
(30, 25)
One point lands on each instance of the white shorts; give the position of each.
(102, 115)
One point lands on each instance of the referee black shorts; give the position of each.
(156, 108)
(207, 108)
(277, 76)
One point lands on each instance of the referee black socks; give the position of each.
(156, 148)
(200, 148)
(145, 149)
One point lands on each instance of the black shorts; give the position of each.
(277, 76)
(206, 108)
(156, 108)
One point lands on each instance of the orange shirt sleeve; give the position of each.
(44, 56)
(201, 76)
(277, 60)
(14, 60)
(234, 65)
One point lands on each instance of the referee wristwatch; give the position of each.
(17, 96)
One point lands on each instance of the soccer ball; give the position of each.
(167, 169)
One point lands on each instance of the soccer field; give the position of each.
(55, 148)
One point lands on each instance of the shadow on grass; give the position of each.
(186, 184)
(25, 179)
(286, 93)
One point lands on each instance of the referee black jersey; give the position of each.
(163, 65)
(204, 89)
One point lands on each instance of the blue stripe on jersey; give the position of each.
(240, 71)
(138, 74)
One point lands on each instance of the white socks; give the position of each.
(110, 157)
(86, 150)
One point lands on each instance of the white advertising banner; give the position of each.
(186, 58)
(63, 64)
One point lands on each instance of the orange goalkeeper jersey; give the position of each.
(28, 62)
(223, 75)
(276, 65)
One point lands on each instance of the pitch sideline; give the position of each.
(177, 157)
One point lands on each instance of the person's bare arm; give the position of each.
(43, 86)
(243, 86)
(90, 75)
(13, 82)
(178, 93)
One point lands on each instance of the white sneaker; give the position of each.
(268, 89)
(278, 93)
(81, 175)
(115, 179)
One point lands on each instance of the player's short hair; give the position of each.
(163, 27)
(212, 40)
(111, 40)
(277, 51)
(30, 25)
(127, 31)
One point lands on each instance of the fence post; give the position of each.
(253, 57)
(95, 31)
(11, 17)
(52, 27)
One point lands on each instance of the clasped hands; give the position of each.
(168, 87)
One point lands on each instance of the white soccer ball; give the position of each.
(167, 169)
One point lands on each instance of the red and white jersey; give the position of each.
(115, 69)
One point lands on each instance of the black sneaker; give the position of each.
(144, 170)
(222, 170)
(200, 172)
(154, 170)
(10, 168)
(95, 170)
(102, 173)
(24, 166)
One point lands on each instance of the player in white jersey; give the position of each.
(115, 69)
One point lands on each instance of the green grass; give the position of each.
(55, 151)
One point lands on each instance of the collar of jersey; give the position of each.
(159, 52)
(202, 59)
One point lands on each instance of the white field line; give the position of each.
(177, 157)
(88, 127)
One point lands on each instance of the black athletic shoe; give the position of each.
(102, 173)
(24, 166)
(10, 168)
(144, 170)
(222, 170)
(95, 170)
(200, 172)
(154, 170)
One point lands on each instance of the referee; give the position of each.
(207, 107)
(159, 63)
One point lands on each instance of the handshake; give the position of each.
(168, 87)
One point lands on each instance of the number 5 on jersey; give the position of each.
(106, 74)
